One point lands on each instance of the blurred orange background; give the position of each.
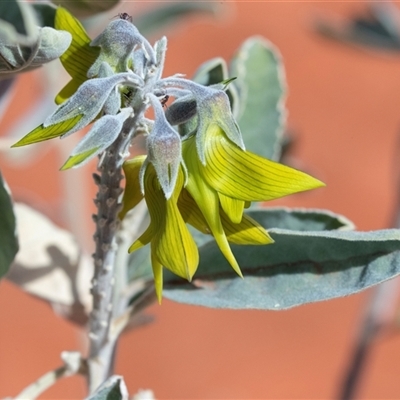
(343, 107)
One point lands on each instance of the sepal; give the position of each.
(103, 133)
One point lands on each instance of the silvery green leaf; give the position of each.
(211, 72)
(8, 238)
(103, 133)
(50, 265)
(88, 101)
(300, 219)
(50, 45)
(299, 268)
(18, 23)
(45, 13)
(53, 43)
(262, 90)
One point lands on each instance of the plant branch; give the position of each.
(73, 364)
(107, 223)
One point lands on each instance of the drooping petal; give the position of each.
(41, 133)
(132, 194)
(246, 176)
(172, 242)
(232, 207)
(80, 55)
(144, 239)
(158, 274)
(247, 232)
(207, 200)
(102, 135)
(191, 213)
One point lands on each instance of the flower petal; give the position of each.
(232, 207)
(246, 176)
(207, 200)
(144, 239)
(191, 213)
(41, 133)
(247, 232)
(172, 243)
(158, 275)
(132, 194)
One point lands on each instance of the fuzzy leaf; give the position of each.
(211, 72)
(214, 72)
(45, 13)
(319, 266)
(16, 58)
(51, 266)
(17, 23)
(300, 219)
(8, 239)
(262, 88)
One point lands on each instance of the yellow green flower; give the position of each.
(172, 246)
(212, 200)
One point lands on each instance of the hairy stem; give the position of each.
(109, 188)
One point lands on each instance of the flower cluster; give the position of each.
(205, 178)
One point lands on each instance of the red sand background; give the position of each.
(344, 106)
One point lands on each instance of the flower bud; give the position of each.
(181, 110)
(164, 149)
(117, 42)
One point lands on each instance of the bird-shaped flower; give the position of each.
(212, 199)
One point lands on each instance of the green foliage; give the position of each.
(262, 87)
(299, 268)
(8, 239)
(300, 219)
(24, 45)
(17, 22)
